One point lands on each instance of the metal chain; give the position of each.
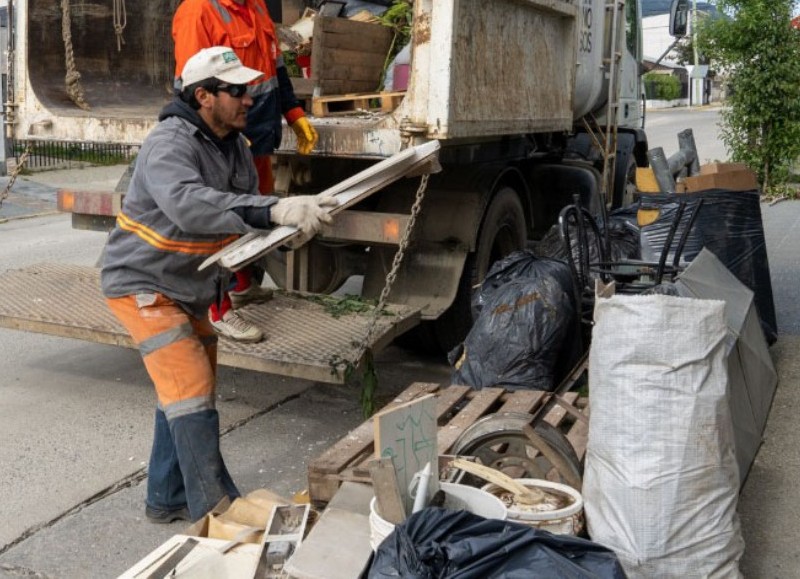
(392, 275)
(15, 173)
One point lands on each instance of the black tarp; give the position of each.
(460, 545)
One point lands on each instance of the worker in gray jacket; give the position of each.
(194, 190)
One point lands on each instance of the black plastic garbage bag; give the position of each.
(438, 543)
(729, 225)
(525, 334)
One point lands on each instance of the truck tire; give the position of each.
(625, 183)
(503, 231)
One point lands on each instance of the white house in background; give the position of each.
(656, 39)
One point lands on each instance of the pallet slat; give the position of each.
(479, 405)
(348, 55)
(557, 413)
(457, 408)
(525, 401)
(325, 106)
(578, 436)
(362, 438)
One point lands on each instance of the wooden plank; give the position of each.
(387, 494)
(578, 435)
(361, 439)
(333, 87)
(371, 44)
(344, 57)
(351, 54)
(252, 246)
(352, 72)
(343, 26)
(364, 96)
(407, 434)
(332, 105)
(480, 404)
(337, 547)
(448, 398)
(557, 414)
(525, 401)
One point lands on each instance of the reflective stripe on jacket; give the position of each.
(181, 207)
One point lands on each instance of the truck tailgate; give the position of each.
(303, 338)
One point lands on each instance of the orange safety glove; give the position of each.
(306, 135)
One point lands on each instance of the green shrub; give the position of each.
(662, 86)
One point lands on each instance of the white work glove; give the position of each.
(304, 212)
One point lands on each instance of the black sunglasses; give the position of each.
(235, 90)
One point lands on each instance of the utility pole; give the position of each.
(693, 84)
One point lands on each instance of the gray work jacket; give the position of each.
(189, 196)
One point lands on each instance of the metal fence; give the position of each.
(69, 154)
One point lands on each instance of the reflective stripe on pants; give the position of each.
(179, 351)
(186, 466)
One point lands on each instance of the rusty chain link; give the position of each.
(392, 275)
(15, 173)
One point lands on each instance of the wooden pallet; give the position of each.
(458, 407)
(382, 102)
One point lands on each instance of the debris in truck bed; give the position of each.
(348, 104)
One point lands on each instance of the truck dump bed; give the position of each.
(479, 70)
(303, 338)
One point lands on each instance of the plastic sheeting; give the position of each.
(729, 225)
(524, 335)
(661, 480)
(751, 375)
(460, 545)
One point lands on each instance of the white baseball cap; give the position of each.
(218, 62)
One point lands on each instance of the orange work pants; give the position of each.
(179, 351)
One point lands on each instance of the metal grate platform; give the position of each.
(65, 300)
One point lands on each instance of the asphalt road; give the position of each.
(76, 418)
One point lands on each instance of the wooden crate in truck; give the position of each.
(348, 56)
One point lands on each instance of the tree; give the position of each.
(760, 52)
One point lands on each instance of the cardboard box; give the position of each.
(232, 520)
(229, 540)
(730, 176)
(714, 168)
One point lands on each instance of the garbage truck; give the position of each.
(531, 102)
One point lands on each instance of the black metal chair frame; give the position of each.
(630, 276)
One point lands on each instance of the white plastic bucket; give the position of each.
(568, 520)
(457, 497)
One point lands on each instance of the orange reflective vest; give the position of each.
(247, 28)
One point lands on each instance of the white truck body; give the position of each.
(480, 70)
(505, 86)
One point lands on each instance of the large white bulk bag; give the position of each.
(661, 479)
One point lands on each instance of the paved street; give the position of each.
(76, 418)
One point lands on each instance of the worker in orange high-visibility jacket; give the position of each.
(193, 191)
(245, 26)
